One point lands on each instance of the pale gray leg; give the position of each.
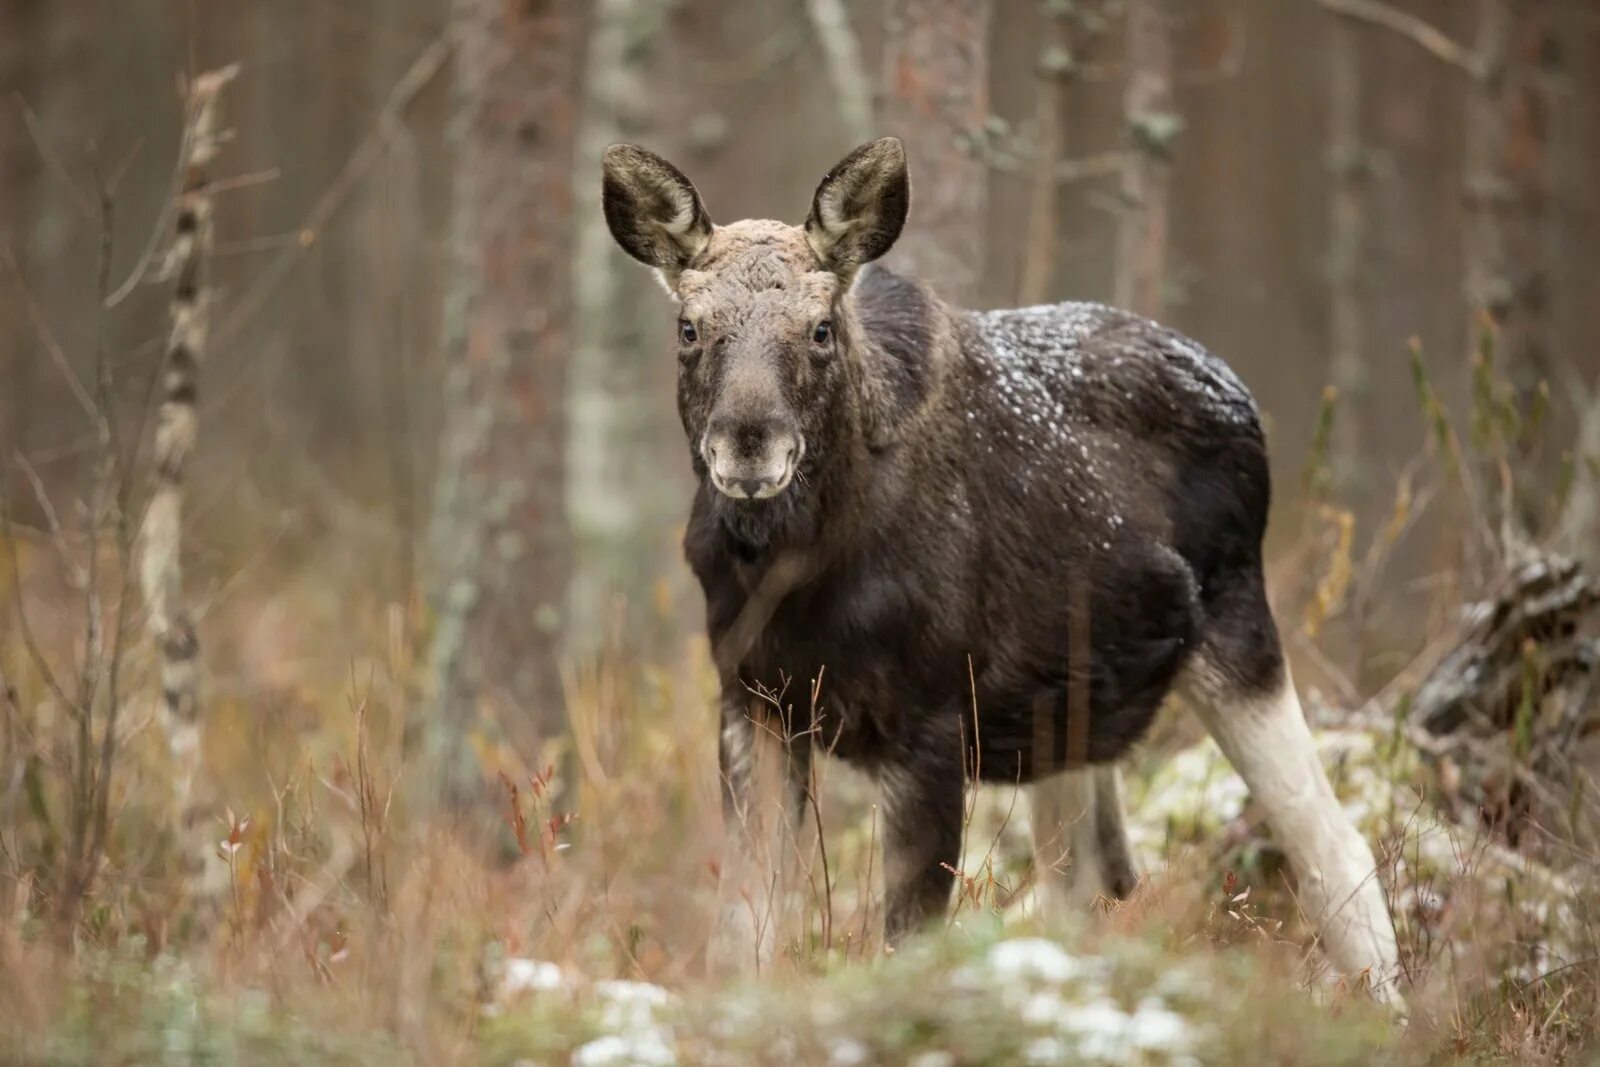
(1080, 841)
(764, 782)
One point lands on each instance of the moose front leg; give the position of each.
(922, 839)
(765, 775)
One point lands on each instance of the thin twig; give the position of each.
(114, 468)
(24, 626)
(416, 78)
(1067, 171)
(241, 181)
(81, 202)
(158, 232)
(52, 347)
(1416, 30)
(812, 789)
(52, 520)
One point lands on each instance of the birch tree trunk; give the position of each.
(499, 537)
(936, 99)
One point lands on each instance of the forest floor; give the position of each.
(336, 932)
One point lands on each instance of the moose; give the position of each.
(950, 546)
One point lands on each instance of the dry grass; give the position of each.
(344, 931)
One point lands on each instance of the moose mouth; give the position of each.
(754, 489)
(738, 481)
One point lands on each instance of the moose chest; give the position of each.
(860, 654)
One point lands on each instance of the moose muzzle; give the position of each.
(752, 460)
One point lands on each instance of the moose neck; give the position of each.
(905, 343)
(820, 505)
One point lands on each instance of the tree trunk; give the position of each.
(841, 53)
(936, 99)
(20, 25)
(1056, 66)
(1507, 183)
(1152, 126)
(499, 539)
(1347, 224)
(621, 508)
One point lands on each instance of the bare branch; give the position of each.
(52, 347)
(1101, 165)
(116, 472)
(1066, 171)
(242, 181)
(416, 78)
(1418, 31)
(52, 520)
(163, 223)
(24, 625)
(83, 204)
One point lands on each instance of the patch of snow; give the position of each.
(524, 976)
(629, 1010)
(1156, 1028)
(1065, 1002)
(1096, 1029)
(848, 1053)
(626, 1050)
(1196, 787)
(1035, 959)
(630, 1005)
(1045, 1051)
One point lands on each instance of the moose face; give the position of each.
(762, 334)
(759, 356)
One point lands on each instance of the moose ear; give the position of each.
(652, 209)
(860, 207)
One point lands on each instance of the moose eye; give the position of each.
(823, 333)
(686, 332)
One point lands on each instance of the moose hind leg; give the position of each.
(1119, 874)
(1265, 736)
(921, 841)
(1080, 843)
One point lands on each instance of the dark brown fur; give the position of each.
(1008, 532)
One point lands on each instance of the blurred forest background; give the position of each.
(1336, 187)
(439, 467)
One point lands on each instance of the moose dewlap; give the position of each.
(943, 544)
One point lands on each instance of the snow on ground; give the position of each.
(631, 1016)
(1036, 1001)
(1057, 1007)
(1066, 1003)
